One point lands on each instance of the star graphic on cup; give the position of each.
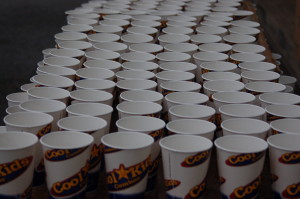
(122, 172)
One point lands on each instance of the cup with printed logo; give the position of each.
(140, 65)
(139, 108)
(90, 95)
(141, 95)
(240, 160)
(111, 46)
(57, 70)
(102, 55)
(285, 126)
(280, 111)
(18, 153)
(49, 93)
(80, 45)
(13, 109)
(106, 64)
(66, 156)
(178, 66)
(278, 98)
(94, 73)
(252, 76)
(45, 80)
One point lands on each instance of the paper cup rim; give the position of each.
(59, 106)
(22, 94)
(158, 107)
(154, 84)
(203, 96)
(194, 137)
(67, 82)
(109, 108)
(89, 140)
(272, 84)
(150, 140)
(79, 53)
(270, 111)
(211, 127)
(188, 75)
(227, 76)
(264, 98)
(240, 86)
(116, 64)
(66, 93)
(111, 83)
(47, 117)
(102, 71)
(258, 108)
(254, 148)
(253, 76)
(191, 85)
(103, 98)
(280, 145)
(264, 125)
(34, 140)
(66, 45)
(122, 74)
(246, 65)
(274, 126)
(208, 108)
(99, 123)
(159, 95)
(161, 124)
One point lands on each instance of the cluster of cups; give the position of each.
(180, 74)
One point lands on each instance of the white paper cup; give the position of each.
(215, 47)
(46, 52)
(199, 15)
(252, 76)
(117, 16)
(79, 45)
(192, 127)
(45, 80)
(213, 30)
(136, 84)
(178, 66)
(142, 23)
(67, 62)
(26, 87)
(102, 55)
(95, 127)
(112, 46)
(106, 64)
(54, 108)
(231, 111)
(248, 48)
(146, 48)
(139, 108)
(181, 47)
(49, 93)
(256, 66)
(215, 23)
(280, 111)
(173, 57)
(187, 24)
(172, 38)
(147, 66)
(179, 86)
(73, 53)
(164, 76)
(17, 150)
(143, 30)
(141, 95)
(96, 96)
(66, 156)
(146, 17)
(181, 18)
(185, 163)
(35, 123)
(202, 57)
(205, 38)
(153, 127)
(283, 152)
(278, 98)
(70, 36)
(238, 58)
(288, 80)
(15, 99)
(285, 126)
(210, 76)
(137, 57)
(90, 22)
(85, 16)
(96, 84)
(240, 161)
(218, 18)
(224, 9)
(102, 38)
(13, 109)
(79, 11)
(178, 30)
(227, 14)
(127, 151)
(242, 14)
(238, 39)
(77, 28)
(245, 23)
(57, 70)
(122, 23)
(108, 29)
(94, 73)
(244, 31)
(129, 38)
(134, 74)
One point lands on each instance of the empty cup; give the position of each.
(96, 96)
(280, 111)
(49, 93)
(15, 99)
(139, 108)
(45, 80)
(96, 84)
(141, 95)
(94, 73)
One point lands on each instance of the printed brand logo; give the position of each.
(222, 180)
(234, 61)
(244, 159)
(71, 186)
(107, 149)
(157, 115)
(153, 167)
(218, 120)
(11, 170)
(44, 131)
(292, 191)
(123, 178)
(63, 154)
(171, 184)
(166, 92)
(290, 158)
(197, 191)
(249, 191)
(157, 134)
(96, 155)
(203, 71)
(271, 117)
(195, 160)
(274, 132)
(273, 178)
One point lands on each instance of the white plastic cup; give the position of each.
(38, 124)
(240, 161)
(248, 48)
(117, 16)
(178, 66)
(66, 157)
(54, 108)
(130, 38)
(200, 38)
(137, 57)
(95, 127)
(102, 111)
(111, 46)
(139, 108)
(257, 66)
(77, 28)
(185, 163)
(245, 126)
(210, 76)
(141, 95)
(94, 73)
(244, 30)
(13, 109)
(238, 39)
(17, 150)
(214, 30)
(146, 48)
(173, 57)
(147, 66)
(283, 153)
(26, 87)
(102, 38)
(122, 23)
(134, 74)
(108, 29)
(245, 23)
(222, 24)
(85, 16)
(218, 18)
(15, 99)
(231, 111)
(285, 126)
(242, 14)
(153, 127)
(136, 84)
(238, 58)
(191, 111)
(153, 32)
(172, 38)
(45, 80)
(288, 80)
(179, 86)
(49, 93)
(70, 36)
(141, 23)
(178, 30)
(187, 24)
(215, 47)
(102, 55)
(90, 22)
(182, 48)
(73, 53)
(280, 111)
(80, 45)
(278, 98)
(146, 17)
(95, 96)
(96, 84)
(57, 70)
(106, 64)
(127, 151)
(192, 127)
(252, 76)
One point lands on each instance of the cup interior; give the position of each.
(140, 124)
(16, 140)
(286, 142)
(28, 119)
(82, 123)
(92, 109)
